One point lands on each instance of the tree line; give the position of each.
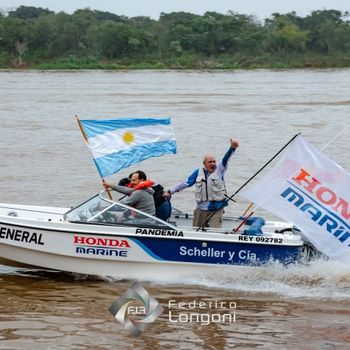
(37, 37)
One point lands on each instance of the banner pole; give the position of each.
(333, 139)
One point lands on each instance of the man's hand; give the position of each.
(167, 195)
(107, 186)
(234, 143)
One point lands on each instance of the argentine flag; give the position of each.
(117, 143)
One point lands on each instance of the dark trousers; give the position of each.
(164, 211)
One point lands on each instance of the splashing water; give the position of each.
(319, 279)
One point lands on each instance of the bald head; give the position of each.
(209, 163)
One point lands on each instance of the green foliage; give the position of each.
(38, 37)
(29, 12)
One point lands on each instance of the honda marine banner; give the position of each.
(312, 192)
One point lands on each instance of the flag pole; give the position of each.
(252, 177)
(87, 141)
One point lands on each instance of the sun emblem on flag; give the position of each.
(128, 137)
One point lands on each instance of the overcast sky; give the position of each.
(152, 8)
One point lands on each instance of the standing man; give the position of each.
(210, 189)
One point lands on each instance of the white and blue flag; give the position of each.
(118, 143)
(312, 192)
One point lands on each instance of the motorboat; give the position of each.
(103, 236)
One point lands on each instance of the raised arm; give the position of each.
(234, 144)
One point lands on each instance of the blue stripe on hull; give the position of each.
(216, 252)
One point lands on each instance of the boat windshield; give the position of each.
(99, 209)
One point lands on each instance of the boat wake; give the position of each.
(320, 279)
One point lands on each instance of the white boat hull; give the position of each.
(42, 237)
(91, 253)
(119, 269)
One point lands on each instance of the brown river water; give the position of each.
(44, 161)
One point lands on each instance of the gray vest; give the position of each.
(210, 189)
